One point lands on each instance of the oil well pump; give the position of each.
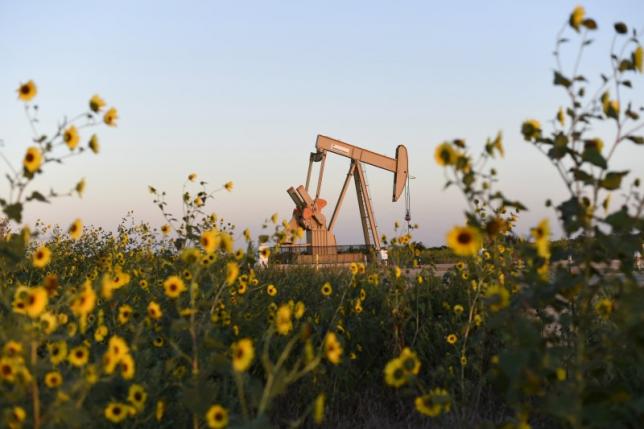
(320, 244)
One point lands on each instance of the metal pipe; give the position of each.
(317, 193)
(370, 217)
(342, 194)
(308, 173)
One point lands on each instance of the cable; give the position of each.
(408, 204)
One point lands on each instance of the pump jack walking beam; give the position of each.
(398, 166)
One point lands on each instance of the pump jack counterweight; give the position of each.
(307, 214)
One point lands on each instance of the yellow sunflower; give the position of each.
(445, 154)
(283, 322)
(96, 103)
(165, 229)
(35, 301)
(497, 297)
(53, 379)
(85, 301)
(80, 187)
(8, 369)
(217, 417)
(57, 352)
(41, 257)
(93, 144)
(271, 290)
(110, 117)
(243, 354)
(116, 412)
(12, 349)
(299, 310)
(434, 403)
(48, 322)
(137, 396)
(265, 252)
(464, 240)
(541, 234)
(154, 310)
(451, 339)
(27, 91)
(76, 229)
(395, 374)
(16, 417)
(638, 59)
(71, 137)
(327, 289)
(410, 361)
(78, 356)
(100, 333)
(229, 186)
(128, 367)
(577, 17)
(125, 311)
(33, 159)
(242, 288)
(210, 240)
(232, 271)
(117, 348)
(332, 348)
(174, 286)
(353, 267)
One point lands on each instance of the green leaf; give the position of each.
(468, 179)
(636, 139)
(625, 65)
(572, 214)
(613, 180)
(559, 149)
(620, 220)
(561, 80)
(621, 28)
(14, 211)
(35, 195)
(589, 23)
(582, 176)
(593, 156)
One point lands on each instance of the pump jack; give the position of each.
(308, 211)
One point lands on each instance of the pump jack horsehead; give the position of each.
(308, 210)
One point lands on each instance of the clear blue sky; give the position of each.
(239, 90)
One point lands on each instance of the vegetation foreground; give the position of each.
(174, 327)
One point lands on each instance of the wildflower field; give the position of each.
(177, 326)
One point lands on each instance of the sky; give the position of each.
(240, 90)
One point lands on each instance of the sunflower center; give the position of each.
(116, 411)
(398, 373)
(24, 89)
(29, 157)
(464, 237)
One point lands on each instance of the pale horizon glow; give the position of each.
(238, 91)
